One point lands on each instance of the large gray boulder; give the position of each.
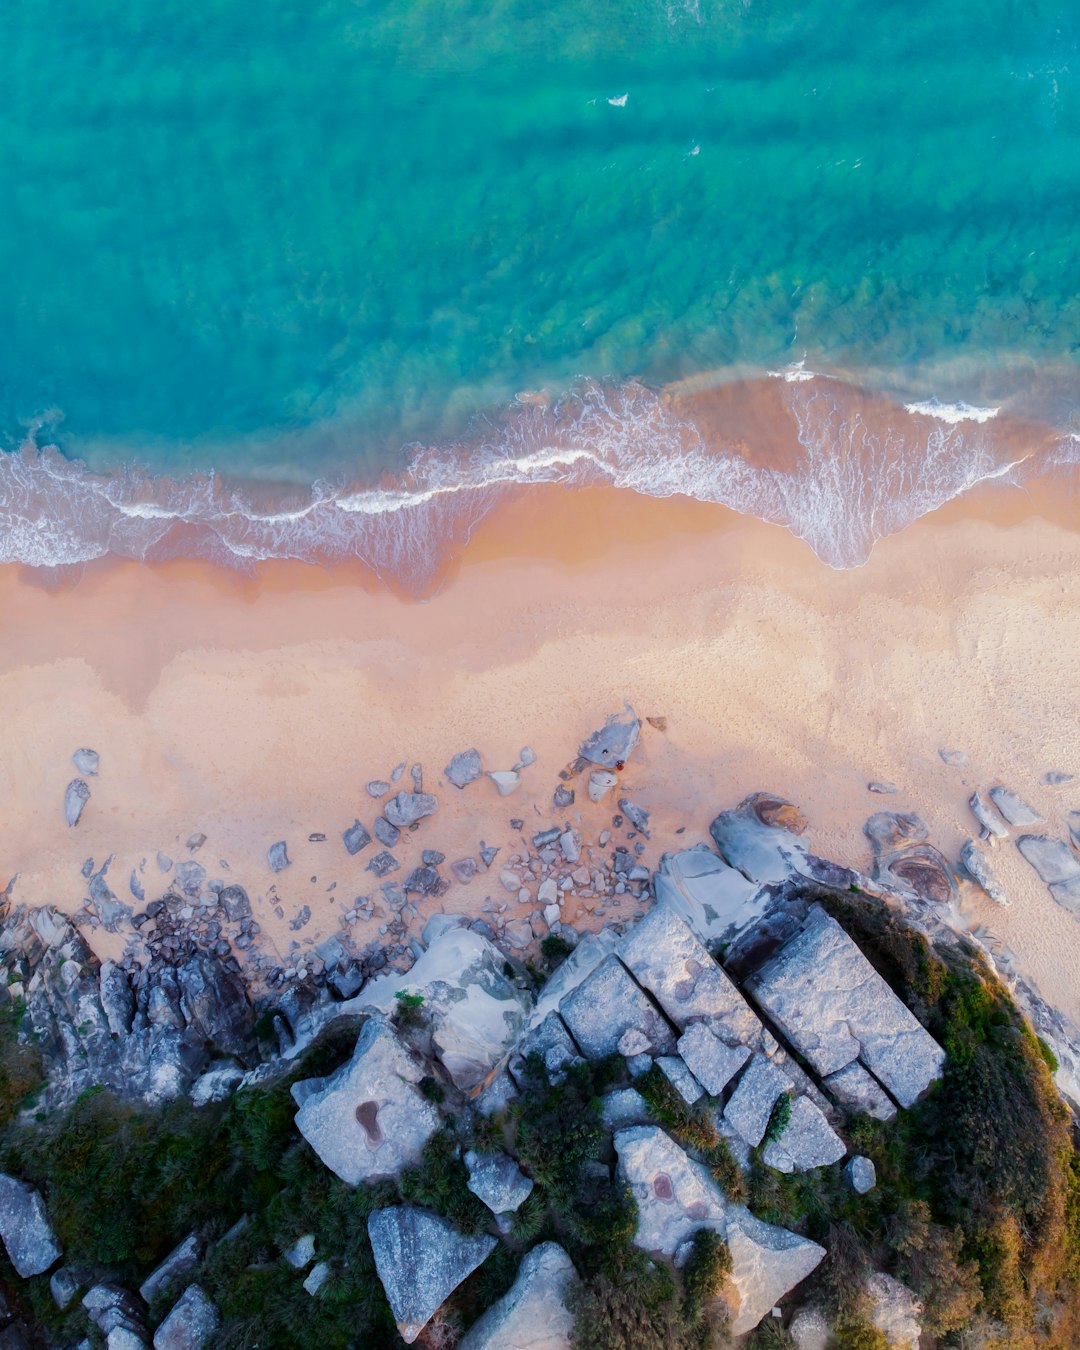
(676, 1196)
(408, 807)
(712, 1062)
(497, 1180)
(476, 1011)
(421, 1260)
(368, 1119)
(716, 900)
(761, 852)
(193, 1323)
(667, 959)
(751, 1104)
(25, 1229)
(607, 1004)
(835, 1008)
(533, 1315)
(806, 1141)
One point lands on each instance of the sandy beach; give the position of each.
(254, 709)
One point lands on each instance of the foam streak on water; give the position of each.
(849, 482)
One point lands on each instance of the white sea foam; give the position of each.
(849, 485)
(620, 101)
(794, 374)
(951, 412)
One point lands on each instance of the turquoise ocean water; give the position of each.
(293, 242)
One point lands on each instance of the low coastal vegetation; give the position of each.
(976, 1207)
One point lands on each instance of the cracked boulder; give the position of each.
(533, 1315)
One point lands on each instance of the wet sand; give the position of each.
(255, 709)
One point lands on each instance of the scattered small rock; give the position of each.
(382, 864)
(277, 856)
(464, 870)
(386, 833)
(356, 838)
(885, 789)
(464, 768)
(408, 807)
(378, 788)
(563, 797)
(1054, 779)
(601, 781)
(506, 780)
(861, 1174)
(953, 756)
(431, 857)
(86, 761)
(75, 798)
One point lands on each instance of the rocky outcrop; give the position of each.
(903, 858)
(836, 1009)
(716, 900)
(608, 1003)
(421, 1260)
(533, 1315)
(368, 1119)
(25, 1229)
(761, 852)
(766, 1263)
(193, 1323)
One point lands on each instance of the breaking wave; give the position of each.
(853, 477)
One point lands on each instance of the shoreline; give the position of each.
(254, 709)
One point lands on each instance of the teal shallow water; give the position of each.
(284, 239)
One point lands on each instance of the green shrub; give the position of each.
(779, 1119)
(555, 949)
(635, 1306)
(441, 1182)
(20, 1065)
(706, 1270)
(852, 1334)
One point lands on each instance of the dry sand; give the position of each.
(256, 709)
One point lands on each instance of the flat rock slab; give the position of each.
(664, 955)
(497, 1180)
(25, 1229)
(859, 1090)
(368, 1119)
(712, 1062)
(992, 828)
(533, 1315)
(608, 1003)
(835, 1009)
(1015, 810)
(193, 1323)
(1057, 865)
(421, 1260)
(180, 1264)
(408, 807)
(680, 1078)
(751, 1105)
(977, 866)
(766, 1263)
(464, 769)
(355, 838)
(806, 1141)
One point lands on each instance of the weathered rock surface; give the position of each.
(552, 1042)
(861, 1174)
(835, 1008)
(464, 768)
(978, 867)
(716, 900)
(408, 807)
(810, 1331)
(25, 1229)
(992, 828)
(607, 1003)
(1056, 864)
(316, 1277)
(752, 1102)
(355, 838)
(385, 832)
(117, 1314)
(895, 1310)
(1013, 808)
(665, 957)
(680, 1078)
(75, 798)
(712, 1062)
(859, 1090)
(378, 787)
(533, 1315)
(193, 1323)
(903, 858)
(806, 1141)
(612, 745)
(762, 853)
(676, 1196)
(421, 1260)
(497, 1180)
(368, 1119)
(475, 1009)
(625, 1106)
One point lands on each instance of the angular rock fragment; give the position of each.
(716, 900)
(464, 768)
(355, 838)
(762, 853)
(806, 1141)
(317, 1277)
(680, 1078)
(953, 757)
(422, 881)
(25, 1229)
(636, 815)
(193, 1323)
(563, 797)
(533, 1315)
(606, 1004)
(506, 780)
(1015, 811)
(234, 901)
(408, 807)
(835, 1008)
(612, 745)
(386, 833)
(86, 761)
(497, 1180)
(277, 856)
(600, 784)
(979, 869)
(712, 1062)
(75, 798)
(751, 1104)
(368, 1119)
(992, 828)
(382, 864)
(180, 1264)
(464, 870)
(766, 1262)
(421, 1260)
